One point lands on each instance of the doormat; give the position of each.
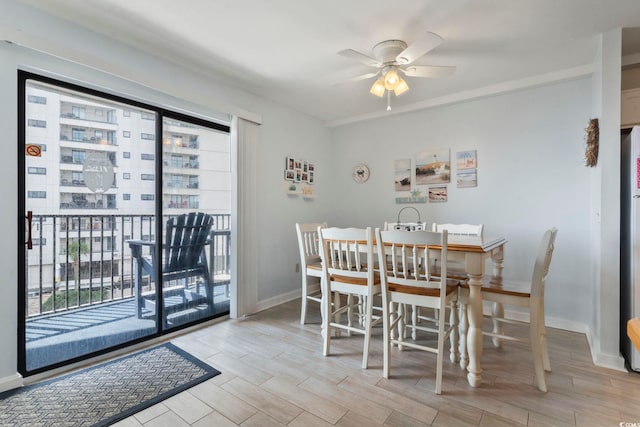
(106, 393)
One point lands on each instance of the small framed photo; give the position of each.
(305, 176)
(305, 166)
(297, 164)
(289, 175)
(312, 167)
(311, 177)
(298, 175)
(438, 194)
(290, 163)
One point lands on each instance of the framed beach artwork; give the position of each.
(438, 194)
(466, 159)
(466, 178)
(402, 175)
(433, 167)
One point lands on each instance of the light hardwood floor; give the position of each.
(274, 374)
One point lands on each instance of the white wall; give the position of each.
(531, 176)
(119, 69)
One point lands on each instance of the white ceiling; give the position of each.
(286, 50)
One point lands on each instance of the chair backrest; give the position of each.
(407, 226)
(185, 237)
(543, 260)
(309, 242)
(346, 255)
(406, 262)
(460, 229)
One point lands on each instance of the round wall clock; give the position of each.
(361, 173)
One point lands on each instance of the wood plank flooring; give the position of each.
(274, 374)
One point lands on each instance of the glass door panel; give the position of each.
(90, 185)
(196, 203)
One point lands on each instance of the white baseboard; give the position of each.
(11, 382)
(277, 300)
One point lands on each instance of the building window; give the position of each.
(37, 99)
(126, 134)
(39, 242)
(78, 157)
(147, 156)
(126, 154)
(126, 175)
(148, 136)
(126, 113)
(37, 123)
(147, 197)
(126, 196)
(37, 171)
(78, 112)
(77, 134)
(147, 177)
(37, 194)
(148, 116)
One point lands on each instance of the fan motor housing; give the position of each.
(387, 51)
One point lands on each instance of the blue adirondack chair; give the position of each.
(184, 258)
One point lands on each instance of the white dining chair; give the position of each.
(456, 269)
(528, 295)
(407, 280)
(348, 267)
(310, 264)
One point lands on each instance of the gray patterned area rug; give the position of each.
(106, 393)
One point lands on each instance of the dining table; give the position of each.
(474, 252)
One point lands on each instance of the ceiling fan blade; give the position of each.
(432, 71)
(360, 57)
(357, 78)
(418, 48)
(363, 77)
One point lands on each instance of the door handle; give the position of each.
(29, 227)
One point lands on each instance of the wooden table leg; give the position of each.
(475, 269)
(474, 333)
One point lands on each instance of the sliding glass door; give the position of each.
(106, 184)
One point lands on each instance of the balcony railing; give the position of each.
(85, 259)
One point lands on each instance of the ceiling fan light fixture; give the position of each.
(391, 79)
(378, 88)
(401, 88)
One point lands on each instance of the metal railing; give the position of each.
(82, 260)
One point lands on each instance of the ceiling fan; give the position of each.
(394, 57)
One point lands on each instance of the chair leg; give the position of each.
(462, 328)
(415, 312)
(401, 317)
(536, 350)
(498, 328)
(326, 319)
(453, 338)
(303, 309)
(542, 333)
(386, 338)
(440, 356)
(367, 331)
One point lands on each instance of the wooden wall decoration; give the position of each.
(592, 137)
